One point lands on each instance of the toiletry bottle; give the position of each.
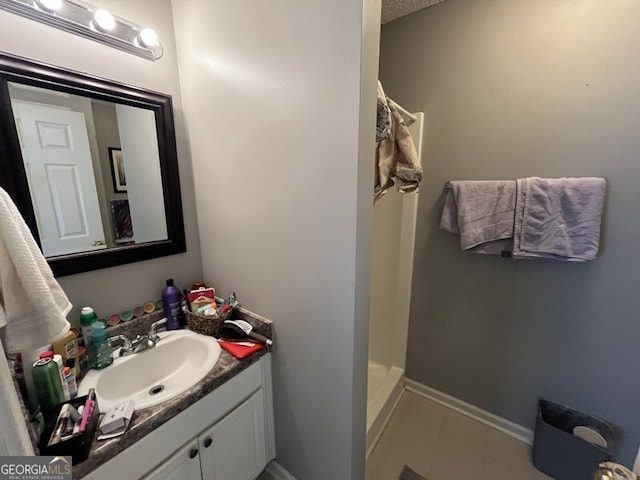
(67, 347)
(70, 379)
(58, 361)
(99, 349)
(65, 388)
(87, 319)
(29, 357)
(46, 378)
(172, 306)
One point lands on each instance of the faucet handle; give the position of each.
(153, 336)
(126, 343)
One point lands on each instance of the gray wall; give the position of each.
(117, 288)
(513, 89)
(104, 116)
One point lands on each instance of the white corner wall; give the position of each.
(272, 92)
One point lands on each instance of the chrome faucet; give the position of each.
(141, 342)
(126, 343)
(153, 336)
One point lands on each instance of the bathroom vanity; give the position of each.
(218, 429)
(212, 431)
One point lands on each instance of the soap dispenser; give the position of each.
(99, 349)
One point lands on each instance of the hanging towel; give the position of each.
(481, 212)
(33, 306)
(397, 161)
(558, 218)
(383, 123)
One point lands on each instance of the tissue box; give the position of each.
(203, 296)
(117, 417)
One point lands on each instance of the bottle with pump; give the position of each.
(87, 318)
(99, 349)
(172, 306)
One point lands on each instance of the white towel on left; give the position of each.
(33, 306)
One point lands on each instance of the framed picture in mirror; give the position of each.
(117, 170)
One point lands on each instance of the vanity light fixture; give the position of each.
(49, 5)
(103, 20)
(148, 38)
(79, 18)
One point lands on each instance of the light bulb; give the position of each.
(103, 20)
(148, 38)
(49, 5)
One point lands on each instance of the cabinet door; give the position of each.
(234, 448)
(182, 465)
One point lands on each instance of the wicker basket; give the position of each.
(204, 325)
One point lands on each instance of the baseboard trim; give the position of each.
(382, 405)
(494, 421)
(278, 472)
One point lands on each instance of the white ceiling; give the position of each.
(392, 9)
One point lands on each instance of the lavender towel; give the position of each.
(558, 218)
(482, 213)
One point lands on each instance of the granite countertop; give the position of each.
(146, 420)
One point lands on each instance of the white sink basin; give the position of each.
(178, 361)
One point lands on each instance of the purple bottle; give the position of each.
(172, 306)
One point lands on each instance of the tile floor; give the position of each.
(442, 444)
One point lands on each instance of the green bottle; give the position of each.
(87, 319)
(99, 349)
(46, 379)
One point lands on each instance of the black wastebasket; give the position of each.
(561, 454)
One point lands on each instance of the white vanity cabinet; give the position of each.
(232, 449)
(227, 435)
(183, 465)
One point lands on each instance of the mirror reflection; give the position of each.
(93, 170)
(91, 164)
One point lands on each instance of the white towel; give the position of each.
(558, 218)
(33, 306)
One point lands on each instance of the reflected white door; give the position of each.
(57, 159)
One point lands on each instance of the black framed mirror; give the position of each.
(91, 164)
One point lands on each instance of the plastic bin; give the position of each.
(561, 454)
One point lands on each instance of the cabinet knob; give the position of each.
(208, 442)
(193, 453)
